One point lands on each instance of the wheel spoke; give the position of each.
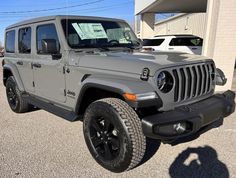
(96, 141)
(115, 143)
(10, 94)
(108, 154)
(107, 125)
(96, 126)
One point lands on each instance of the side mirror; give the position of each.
(49, 46)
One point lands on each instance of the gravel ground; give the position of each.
(39, 144)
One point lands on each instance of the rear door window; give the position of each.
(152, 42)
(25, 40)
(10, 41)
(186, 42)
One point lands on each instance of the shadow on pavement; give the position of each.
(201, 162)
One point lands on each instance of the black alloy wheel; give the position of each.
(105, 138)
(12, 97)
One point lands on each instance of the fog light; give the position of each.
(180, 127)
(173, 129)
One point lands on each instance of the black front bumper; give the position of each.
(197, 118)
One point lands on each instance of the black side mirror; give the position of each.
(49, 46)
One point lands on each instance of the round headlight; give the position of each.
(165, 82)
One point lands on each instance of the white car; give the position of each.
(180, 43)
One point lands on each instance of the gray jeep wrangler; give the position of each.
(91, 69)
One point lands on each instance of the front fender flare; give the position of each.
(118, 86)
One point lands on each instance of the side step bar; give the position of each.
(58, 111)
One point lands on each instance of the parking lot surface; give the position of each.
(39, 144)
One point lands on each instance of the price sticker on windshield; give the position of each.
(90, 30)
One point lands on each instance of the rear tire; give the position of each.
(113, 134)
(14, 97)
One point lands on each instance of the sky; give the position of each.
(13, 11)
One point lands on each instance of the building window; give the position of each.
(25, 40)
(10, 41)
(152, 42)
(46, 32)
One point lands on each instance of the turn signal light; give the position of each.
(130, 97)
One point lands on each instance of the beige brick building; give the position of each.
(214, 20)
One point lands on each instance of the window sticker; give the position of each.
(90, 30)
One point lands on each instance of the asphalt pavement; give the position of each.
(39, 144)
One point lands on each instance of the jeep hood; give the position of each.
(135, 62)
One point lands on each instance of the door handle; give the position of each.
(194, 48)
(37, 65)
(20, 63)
(170, 48)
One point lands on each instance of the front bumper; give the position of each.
(195, 118)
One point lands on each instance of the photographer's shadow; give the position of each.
(201, 162)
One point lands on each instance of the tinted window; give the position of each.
(152, 42)
(10, 42)
(186, 42)
(46, 32)
(25, 40)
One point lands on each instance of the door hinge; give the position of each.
(64, 92)
(64, 69)
(33, 84)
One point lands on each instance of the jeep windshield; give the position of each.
(99, 34)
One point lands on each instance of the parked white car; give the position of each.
(180, 43)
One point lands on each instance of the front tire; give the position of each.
(113, 134)
(14, 97)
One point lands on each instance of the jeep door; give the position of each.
(48, 66)
(24, 58)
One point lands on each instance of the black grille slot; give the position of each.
(189, 83)
(176, 96)
(192, 81)
(212, 71)
(195, 82)
(205, 79)
(200, 80)
(183, 83)
(208, 78)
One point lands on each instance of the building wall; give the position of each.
(147, 25)
(142, 4)
(193, 24)
(221, 36)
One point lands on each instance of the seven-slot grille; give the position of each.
(193, 81)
